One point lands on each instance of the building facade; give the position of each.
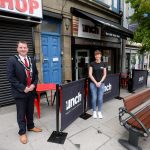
(84, 27)
(63, 39)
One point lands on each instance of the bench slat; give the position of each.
(138, 115)
(133, 101)
(148, 125)
(143, 116)
(146, 121)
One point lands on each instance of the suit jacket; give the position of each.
(18, 79)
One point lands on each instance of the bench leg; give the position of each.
(133, 138)
(132, 143)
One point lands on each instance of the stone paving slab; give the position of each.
(112, 144)
(89, 139)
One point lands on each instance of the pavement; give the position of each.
(90, 134)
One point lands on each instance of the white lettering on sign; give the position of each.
(141, 78)
(25, 7)
(87, 29)
(108, 87)
(73, 101)
(90, 29)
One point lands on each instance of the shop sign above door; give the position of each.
(85, 28)
(31, 8)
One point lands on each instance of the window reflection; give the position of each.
(48, 26)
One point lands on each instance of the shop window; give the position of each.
(135, 61)
(82, 64)
(145, 62)
(107, 58)
(127, 61)
(132, 62)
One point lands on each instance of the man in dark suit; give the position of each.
(23, 76)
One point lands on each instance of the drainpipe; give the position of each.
(122, 53)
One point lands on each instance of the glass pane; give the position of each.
(83, 61)
(49, 26)
(107, 59)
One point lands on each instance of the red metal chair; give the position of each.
(37, 105)
(124, 80)
(43, 87)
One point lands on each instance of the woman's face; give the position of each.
(98, 56)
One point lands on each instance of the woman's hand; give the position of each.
(98, 84)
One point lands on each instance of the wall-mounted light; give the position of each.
(67, 23)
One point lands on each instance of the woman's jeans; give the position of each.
(97, 94)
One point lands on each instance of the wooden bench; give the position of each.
(135, 117)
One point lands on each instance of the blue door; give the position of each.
(51, 58)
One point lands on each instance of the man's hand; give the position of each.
(31, 88)
(26, 90)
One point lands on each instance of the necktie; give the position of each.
(28, 73)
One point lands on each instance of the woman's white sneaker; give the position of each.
(94, 115)
(100, 116)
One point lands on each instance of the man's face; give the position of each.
(22, 49)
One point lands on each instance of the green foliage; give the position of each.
(142, 17)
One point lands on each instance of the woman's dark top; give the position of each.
(98, 70)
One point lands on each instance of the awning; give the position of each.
(106, 25)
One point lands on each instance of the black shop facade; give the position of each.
(89, 33)
(17, 20)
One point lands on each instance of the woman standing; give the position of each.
(97, 74)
